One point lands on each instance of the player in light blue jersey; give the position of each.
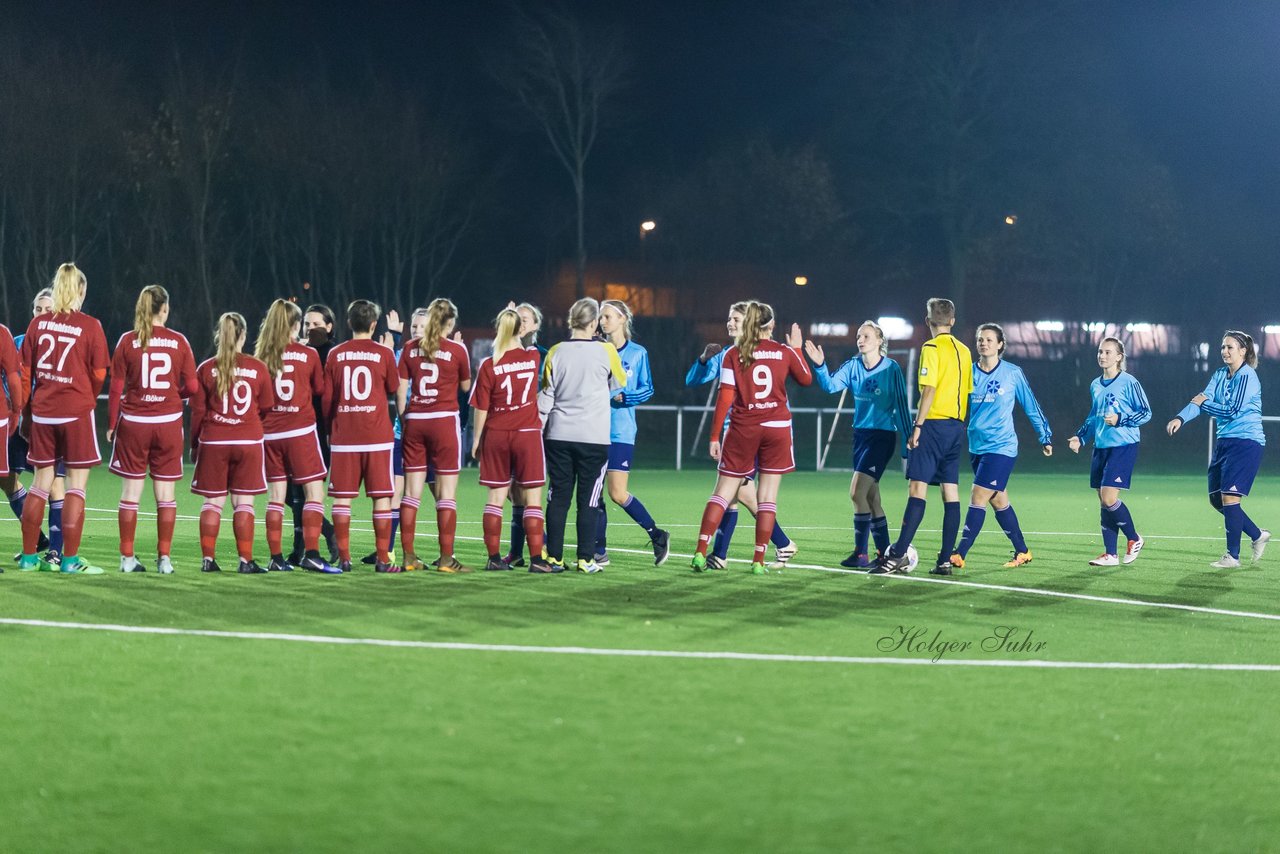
(993, 443)
(881, 424)
(1119, 409)
(706, 368)
(1234, 398)
(616, 326)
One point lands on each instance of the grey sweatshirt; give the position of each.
(579, 376)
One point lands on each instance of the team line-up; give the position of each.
(294, 416)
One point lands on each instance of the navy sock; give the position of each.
(778, 538)
(602, 532)
(1009, 523)
(861, 532)
(1234, 514)
(517, 530)
(395, 526)
(724, 533)
(55, 526)
(911, 520)
(880, 533)
(638, 514)
(950, 528)
(1123, 520)
(1109, 532)
(18, 499)
(1251, 528)
(972, 527)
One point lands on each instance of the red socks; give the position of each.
(533, 529)
(166, 519)
(710, 521)
(72, 522)
(275, 528)
(33, 519)
(127, 520)
(447, 524)
(242, 524)
(381, 534)
(492, 529)
(766, 513)
(342, 529)
(408, 526)
(312, 522)
(210, 522)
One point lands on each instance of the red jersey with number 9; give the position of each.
(759, 392)
(61, 354)
(233, 418)
(362, 374)
(301, 379)
(433, 385)
(508, 390)
(155, 377)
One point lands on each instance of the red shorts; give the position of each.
(229, 468)
(141, 445)
(75, 442)
(348, 469)
(294, 456)
(434, 442)
(751, 447)
(8, 427)
(507, 455)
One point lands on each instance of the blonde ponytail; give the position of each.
(275, 333)
(150, 301)
(755, 318)
(226, 338)
(68, 288)
(439, 313)
(507, 325)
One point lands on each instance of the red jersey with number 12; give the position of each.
(361, 374)
(61, 354)
(508, 390)
(433, 385)
(758, 393)
(301, 380)
(155, 378)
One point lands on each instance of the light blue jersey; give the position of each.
(1235, 401)
(879, 393)
(1124, 397)
(991, 410)
(639, 388)
(701, 374)
(395, 426)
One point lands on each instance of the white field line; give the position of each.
(640, 653)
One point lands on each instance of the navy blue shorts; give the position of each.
(1113, 466)
(872, 450)
(991, 471)
(397, 459)
(937, 458)
(1234, 465)
(620, 455)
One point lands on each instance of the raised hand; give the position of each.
(394, 323)
(709, 351)
(814, 352)
(794, 338)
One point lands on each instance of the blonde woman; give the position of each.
(530, 325)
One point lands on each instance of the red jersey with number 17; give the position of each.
(234, 418)
(300, 381)
(508, 390)
(153, 379)
(758, 393)
(361, 374)
(433, 384)
(62, 353)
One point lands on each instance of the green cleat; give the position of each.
(699, 562)
(75, 566)
(759, 569)
(28, 563)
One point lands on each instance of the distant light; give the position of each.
(896, 328)
(829, 330)
(1011, 219)
(1095, 327)
(306, 286)
(648, 225)
(1051, 326)
(1138, 327)
(1271, 328)
(802, 280)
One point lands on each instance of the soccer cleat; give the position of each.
(497, 564)
(75, 566)
(1260, 544)
(1019, 559)
(413, 564)
(1135, 546)
(544, 565)
(281, 565)
(164, 566)
(890, 563)
(294, 558)
(50, 561)
(759, 569)
(314, 563)
(855, 560)
(956, 560)
(716, 562)
(782, 554)
(250, 567)
(28, 563)
(699, 562)
(661, 546)
(450, 564)
(335, 554)
(387, 567)
(602, 559)
(944, 567)
(590, 567)
(1226, 562)
(1105, 560)
(343, 565)
(513, 559)
(370, 559)
(131, 564)
(209, 565)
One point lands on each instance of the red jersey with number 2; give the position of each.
(508, 390)
(758, 393)
(62, 353)
(433, 384)
(361, 374)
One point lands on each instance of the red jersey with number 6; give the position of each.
(433, 384)
(66, 357)
(153, 379)
(758, 393)
(300, 381)
(361, 374)
(508, 390)
(236, 417)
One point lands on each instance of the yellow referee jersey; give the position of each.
(946, 365)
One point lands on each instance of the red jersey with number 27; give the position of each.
(758, 393)
(62, 353)
(361, 374)
(508, 390)
(433, 384)
(301, 379)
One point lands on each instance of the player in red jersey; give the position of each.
(226, 435)
(433, 369)
(151, 372)
(292, 443)
(530, 326)
(65, 354)
(361, 374)
(753, 380)
(508, 439)
(12, 402)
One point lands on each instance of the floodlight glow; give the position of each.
(1138, 327)
(802, 280)
(896, 328)
(1271, 328)
(1095, 327)
(829, 330)
(648, 225)
(1051, 326)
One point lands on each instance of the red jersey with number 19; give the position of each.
(433, 385)
(62, 353)
(153, 379)
(301, 380)
(361, 374)
(508, 390)
(234, 418)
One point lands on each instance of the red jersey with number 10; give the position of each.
(758, 393)
(433, 384)
(361, 374)
(62, 353)
(233, 418)
(508, 390)
(301, 379)
(153, 379)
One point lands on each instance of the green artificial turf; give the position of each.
(170, 742)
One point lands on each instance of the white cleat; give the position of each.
(1260, 544)
(1105, 560)
(783, 554)
(164, 566)
(131, 564)
(714, 562)
(1226, 562)
(1131, 553)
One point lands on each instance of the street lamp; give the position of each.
(801, 281)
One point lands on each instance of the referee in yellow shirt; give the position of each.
(938, 438)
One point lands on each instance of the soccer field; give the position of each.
(651, 708)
